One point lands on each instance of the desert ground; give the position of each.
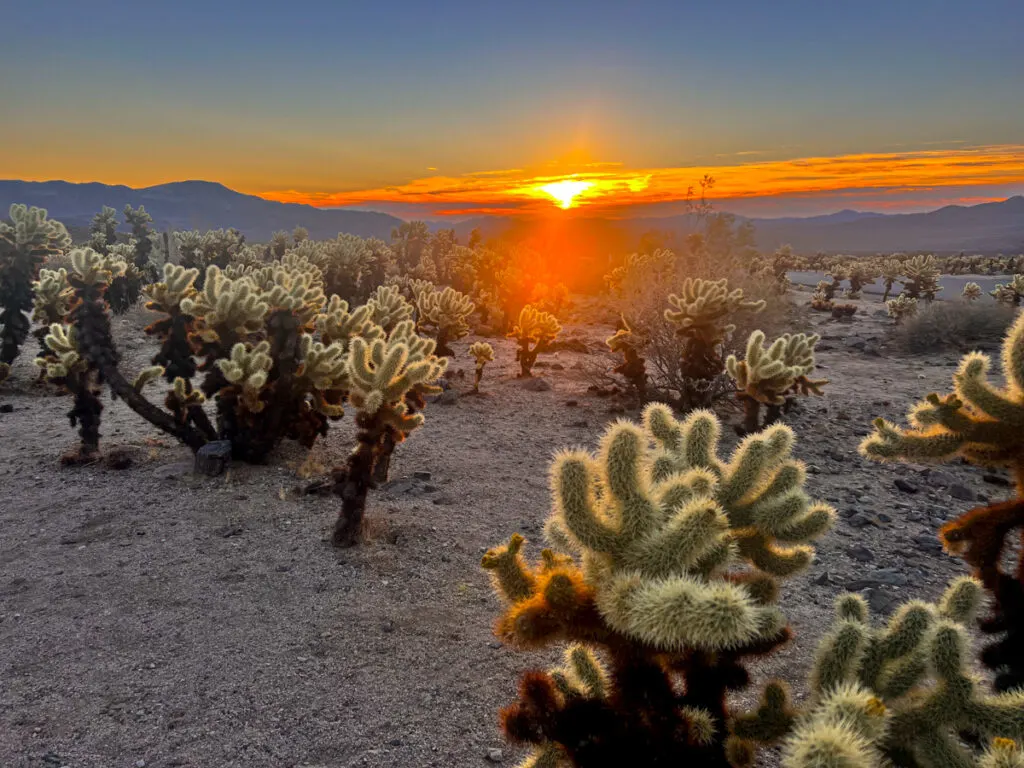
(152, 617)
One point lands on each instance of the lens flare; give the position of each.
(566, 192)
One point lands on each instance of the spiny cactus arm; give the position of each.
(147, 375)
(513, 579)
(576, 508)
(772, 720)
(843, 732)
(248, 368)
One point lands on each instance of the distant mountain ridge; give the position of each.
(985, 228)
(200, 205)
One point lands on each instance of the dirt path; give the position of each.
(152, 617)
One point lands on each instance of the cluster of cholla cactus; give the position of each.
(921, 275)
(445, 313)
(1010, 293)
(972, 292)
(352, 267)
(821, 300)
(773, 376)
(633, 367)
(533, 332)
(482, 353)
(388, 307)
(701, 312)
(891, 270)
(979, 422)
(25, 244)
(901, 695)
(662, 587)
(902, 308)
(860, 273)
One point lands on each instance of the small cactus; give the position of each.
(633, 366)
(533, 331)
(483, 353)
(922, 278)
(901, 308)
(972, 291)
(446, 314)
(1010, 293)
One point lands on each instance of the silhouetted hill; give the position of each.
(193, 205)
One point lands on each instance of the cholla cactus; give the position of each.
(922, 273)
(640, 268)
(533, 331)
(860, 274)
(891, 270)
(901, 308)
(673, 575)
(25, 244)
(972, 292)
(483, 353)
(446, 314)
(981, 423)
(103, 230)
(1010, 293)
(387, 380)
(142, 235)
(773, 376)
(388, 308)
(701, 312)
(901, 695)
(633, 367)
(820, 302)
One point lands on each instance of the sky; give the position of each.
(452, 109)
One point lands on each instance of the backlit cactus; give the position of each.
(388, 308)
(633, 367)
(1010, 293)
(901, 308)
(533, 331)
(701, 312)
(675, 557)
(922, 278)
(891, 270)
(773, 376)
(982, 423)
(482, 353)
(387, 381)
(25, 244)
(900, 695)
(972, 291)
(445, 313)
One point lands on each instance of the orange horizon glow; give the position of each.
(611, 188)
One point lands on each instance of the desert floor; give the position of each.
(152, 617)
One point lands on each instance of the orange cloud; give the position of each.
(607, 187)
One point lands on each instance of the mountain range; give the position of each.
(985, 228)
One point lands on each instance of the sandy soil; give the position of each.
(151, 617)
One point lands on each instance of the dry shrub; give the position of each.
(954, 325)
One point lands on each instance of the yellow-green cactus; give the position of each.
(922, 273)
(446, 313)
(702, 308)
(979, 421)
(633, 367)
(972, 291)
(64, 355)
(248, 369)
(533, 331)
(1010, 293)
(903, 694)
(482, 353)
(52, 296)
(178, 284)
(388, 308)
(901, 308)
(225, 305)
(772, 376)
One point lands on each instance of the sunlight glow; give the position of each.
(566, 192)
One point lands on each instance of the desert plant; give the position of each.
(139, 220)
(532, 332)
(901, 695)
(482, 353)
(958, 326)
(773, 376)
(860, 274)
(445, 314)
(388, 308)
(675, 555)
(701, 312)
(922, 278)
(1010, 293)
(820, 301)
(901, 308)
(103, 230)
(891, 270)
(843, 311)
(981, 423)
(278, 244)
(25, 244)
(52, 296)
(633, 367)
(972, 292)
(837, 274)
(216, 247)
(387, 379)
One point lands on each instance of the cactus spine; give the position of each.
(533, 331)
(633, 367)
(901, 308)
(483, 353)
(657, 535)
(1009, 293)
(972, 292)
(446, 314)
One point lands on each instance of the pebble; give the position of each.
(861, 554)
(927, 542)
(495, 755)
(905, 485)
(962, 492)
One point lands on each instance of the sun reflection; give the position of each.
(565, 192)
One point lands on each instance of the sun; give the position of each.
(565, 192)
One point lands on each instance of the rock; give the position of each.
(451, 397)
(962, 492)
(173, 471)
(495, 755)
(580, 424)
(536, 385)
(928, 542)
(557, 367)
(444, 501)
(890, 576)
(213, 458)
(905, 485)
(879, 601)
(836, 456)
(994, 479)
(118, 458)
(871, 351)
(422, 475)
(862, 520)
(939, 479)
(860, 554)
(823, 580)
(571, 403)
(6, 408)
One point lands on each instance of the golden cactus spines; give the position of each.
(702, 307)
(972, 291)
(533, 331)
(337, 323)
(1010, 293)
(901, 308)
(53, 296)
(482, 353)
(388, 308)
(248, 369)
(166, 295)
(446, 313)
